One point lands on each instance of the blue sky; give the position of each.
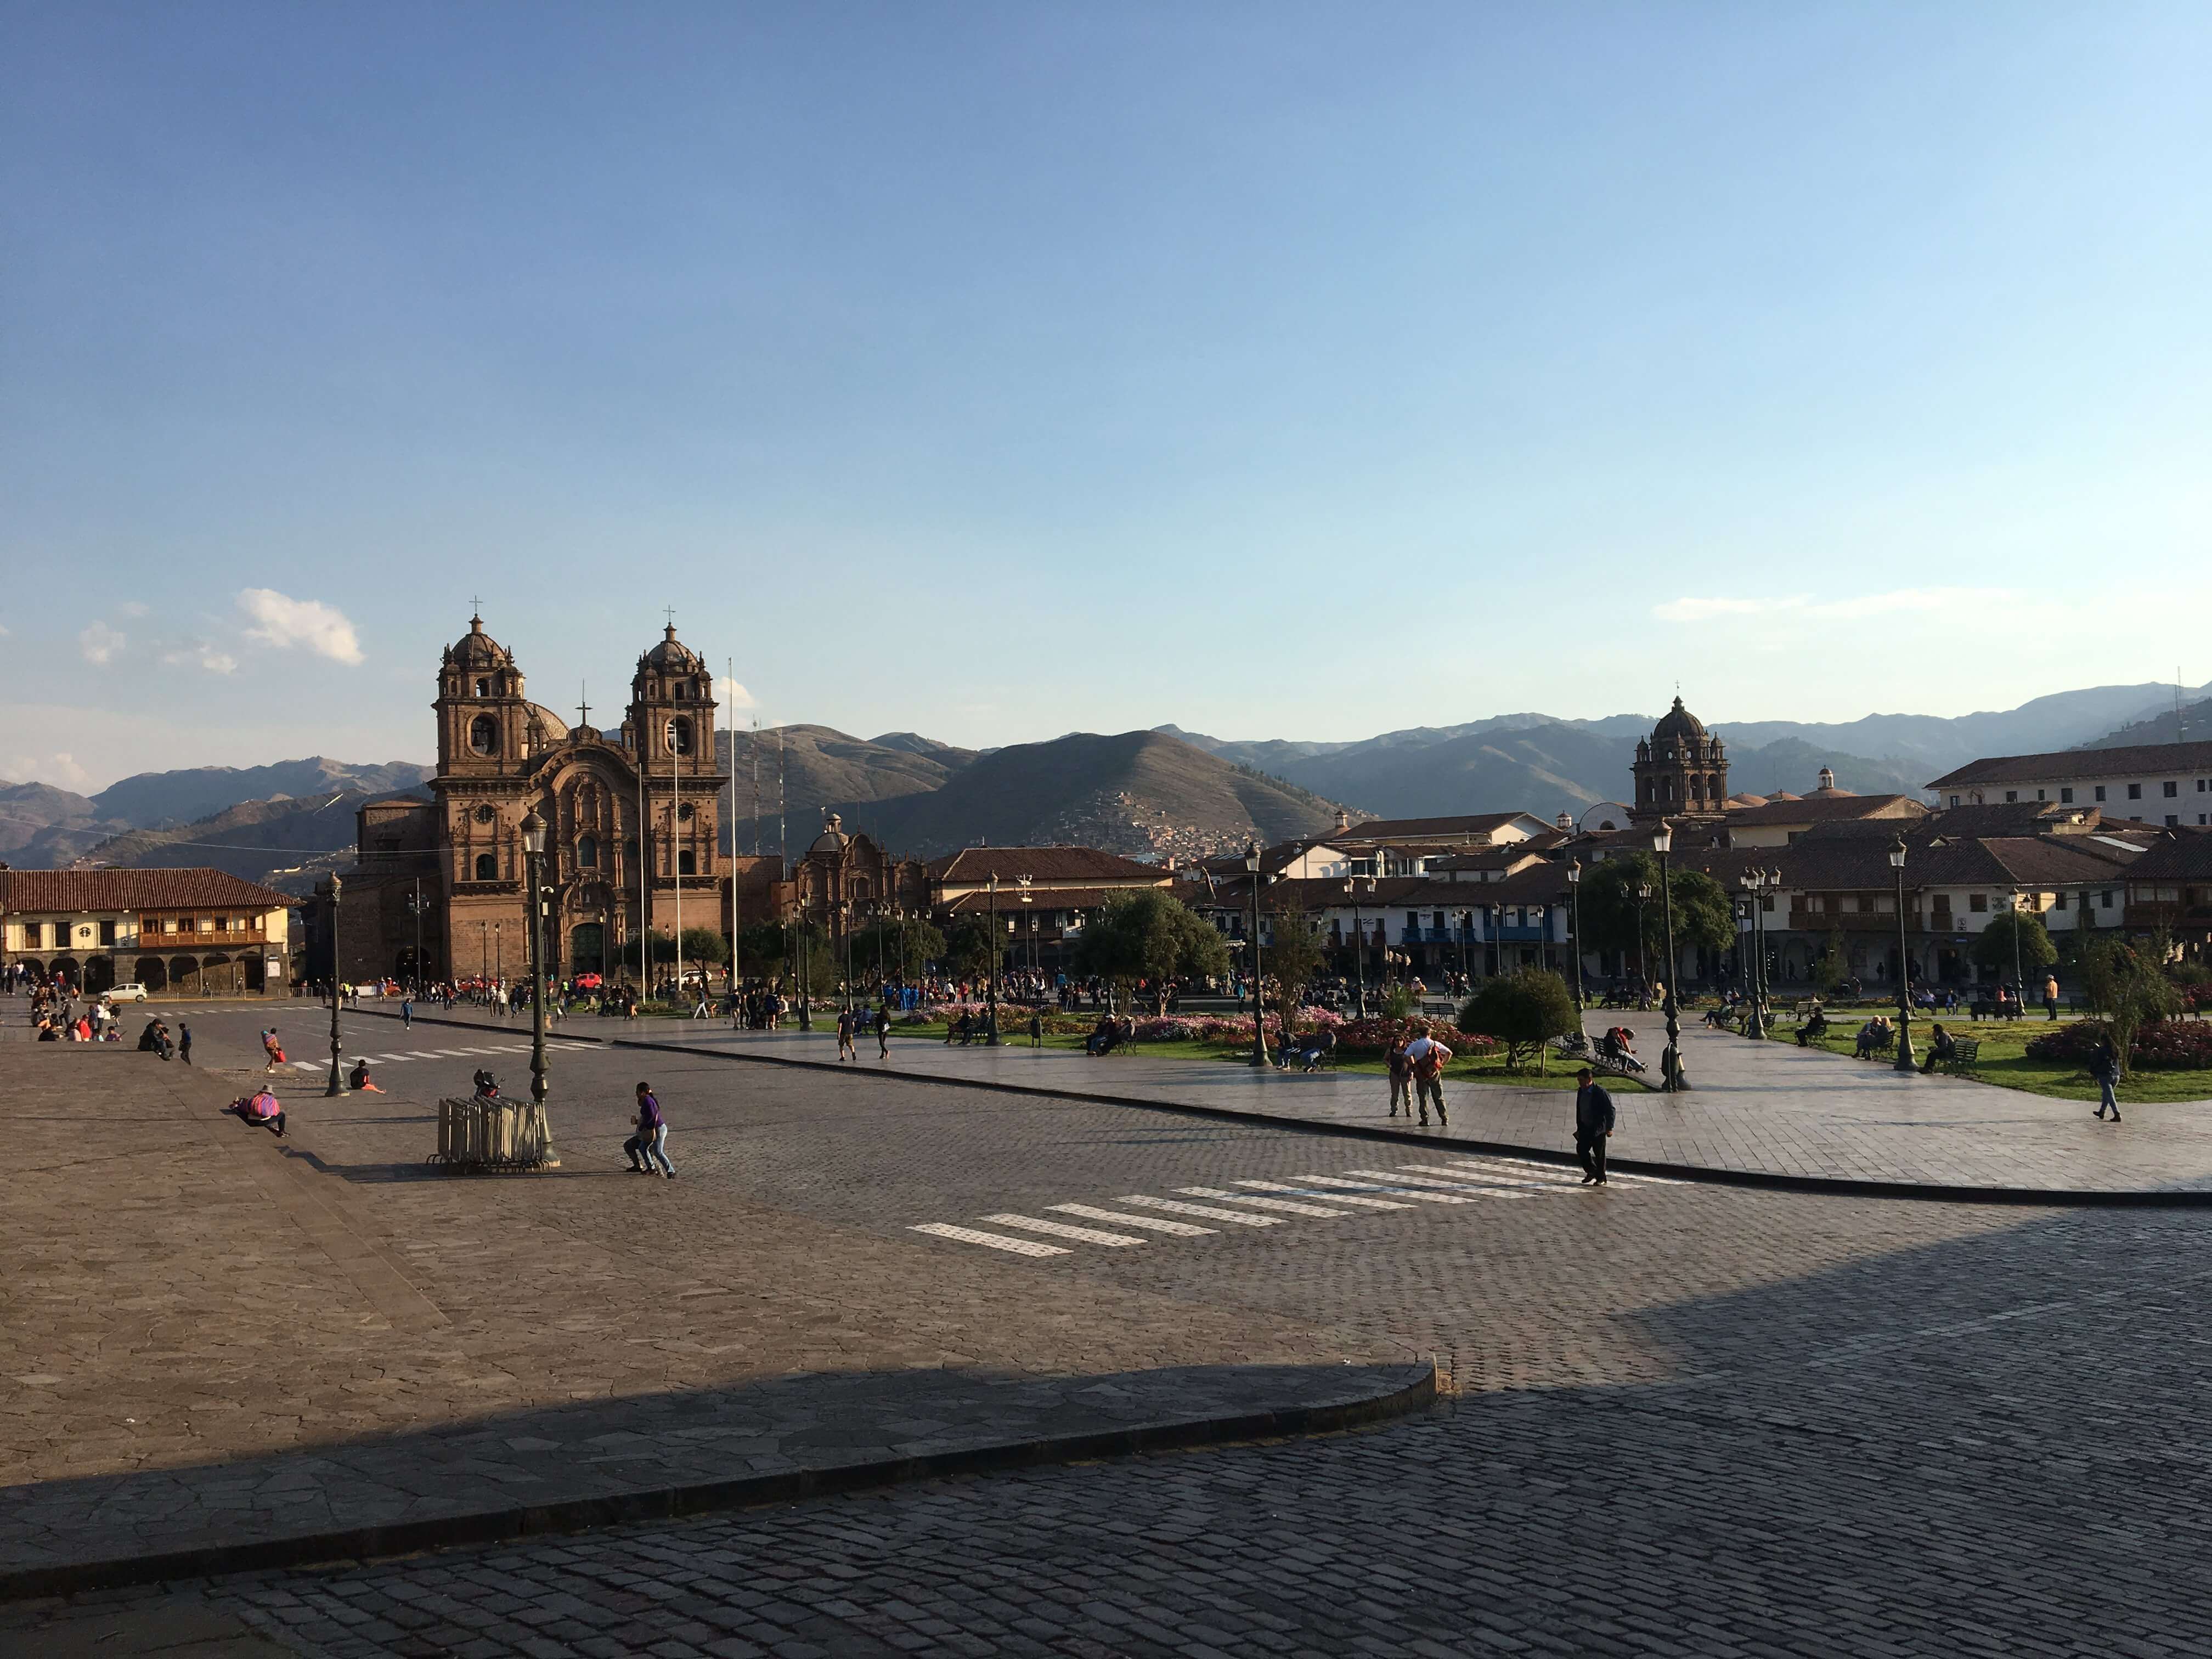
(997, 371)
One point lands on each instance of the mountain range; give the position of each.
(1145, 793)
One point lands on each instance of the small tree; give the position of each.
(704, 947)
(1993, 948)
(1294, 957)
(1523, 1011)
(2128, 985)
(765, 945)
(902, 943)
(1149, 934)
(1704, 914)
(1830, 970)
(969, 949)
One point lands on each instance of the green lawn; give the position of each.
(2004, 1060)
(1464, 1069)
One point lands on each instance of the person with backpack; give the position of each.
(1401, 1078)
(651, 1141)
(1426, 1057)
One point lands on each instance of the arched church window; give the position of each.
(484, 735)
(687, 864)
(683, 691)
(679, 735)
(487, 866)
(483, 685)
(587, 853)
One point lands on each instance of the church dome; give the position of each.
(672, 656)
(832, 838)
(478, 649)
(1677, 725)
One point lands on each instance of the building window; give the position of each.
(1977, 900)
(683, 691)
(2135, 791)
(679, 735)
(2101, 791)
(2012, 794)
(2103, 901)
(1766, 901)
(2170, 788)
(487, 866)
(2173, 817)
(687, 864)
(484, 735)
(2060, 903)
(108, 932)
(587, 853)
(2066, 796)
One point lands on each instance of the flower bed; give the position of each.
(2166, 1045)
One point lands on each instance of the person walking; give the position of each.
(183, 1042)
(407, 1010)
(270, 1048)
(883, 1030)
(651, 1141)
(2104, 1067)
(845, 1049)
(1594, 1119)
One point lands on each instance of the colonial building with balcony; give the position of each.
(179, 932)
(2156, 783)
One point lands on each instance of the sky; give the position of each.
(997, 371)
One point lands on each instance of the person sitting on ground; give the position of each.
(259, 1110)
(1318, 1047)
(360, 1081)
(1941, 1049)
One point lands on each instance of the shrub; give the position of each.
(2165, 1045)
(1523, 1011)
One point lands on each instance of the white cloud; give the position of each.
(99, 644)
(1967, 601)
(284, 621)
(62, 771)
(3, 630)
(200, 653)
(731, 694)
(132, 608)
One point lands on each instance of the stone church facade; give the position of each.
(632, 826)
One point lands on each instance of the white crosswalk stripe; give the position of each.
(1375, 1181)
(1287, 1206)
(1210, 1212)
(1061, 1229)
(1151, 1223)
(1305, 1191)
(997, 1241)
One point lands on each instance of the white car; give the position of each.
(129, 991)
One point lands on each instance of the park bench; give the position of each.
(1882, 1042)
(1965, 1053)
(1583, 1052)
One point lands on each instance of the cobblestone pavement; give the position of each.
(1846, 1428)
(1765, 1107)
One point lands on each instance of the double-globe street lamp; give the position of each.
(1753, 883)
(1352, 891)
(1672, 1079)
(991, 986)
(1904, 1061)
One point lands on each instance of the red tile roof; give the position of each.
(69, 891)
(2136, 760)
(979, 864)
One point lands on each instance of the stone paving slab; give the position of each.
(1757, 1109)
(212, 1342)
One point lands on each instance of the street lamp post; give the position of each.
(1259, 993)
(337, 1080)
(533, 853)
(991, 985)
(1029, 921)
(2018, 984)
(1753, 883)
(415, 910)
(1904, 1061)
(1359, 948)
(1673, 1081)
(1643, 974)
(1575, 920)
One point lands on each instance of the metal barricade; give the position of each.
(476, 1134)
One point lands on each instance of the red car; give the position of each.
(587, 981)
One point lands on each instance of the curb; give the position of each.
(2123, 1198)
(676, 1503)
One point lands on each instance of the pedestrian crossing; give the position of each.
(1139, 1218)
(403, 1056)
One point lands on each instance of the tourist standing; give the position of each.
(1594, 1119)
(2050, 996)
(406, 1011)
(1401, 1078)
(183, 1042)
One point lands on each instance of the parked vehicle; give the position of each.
(129, 991)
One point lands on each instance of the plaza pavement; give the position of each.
(1757, 1109)
(218, 1347)
(1683, 1417)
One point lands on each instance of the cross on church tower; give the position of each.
(670, 613)
(476, 610)
(583, 709)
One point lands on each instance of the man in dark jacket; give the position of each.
(1593, 1124)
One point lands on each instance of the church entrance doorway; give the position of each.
(587, 946)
